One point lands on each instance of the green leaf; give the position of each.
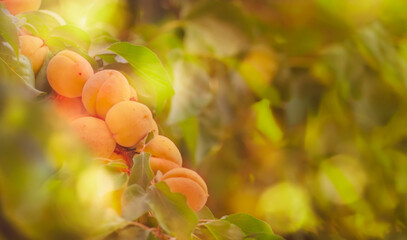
(141, 172)
(224, 230)
(8, 29)
(248, 224)
(100, 41)
(17, 70)
(41, 80)
(42, 22)
(205, 213)
(148, 66)
(68, 35)
(118, 177)
(265, 121)
(129, 233)
(116, 164)
(134, 202)
(172, 211)
(192, 91)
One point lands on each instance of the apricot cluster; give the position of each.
(104, 112)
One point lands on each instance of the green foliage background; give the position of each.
(293, 111)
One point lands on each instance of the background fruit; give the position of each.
(35, 49)
(67, 72)
(189, 183)
(103, 90)
(129, 122)
(19, 6)
(95, 134)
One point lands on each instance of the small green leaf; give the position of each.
(42, 22)
(172, 211)
(41, 80)
(69, 36)
(8, 29)
(118, 178)
(17, 70)
(205, 213)
(248, 224)
(148, 66)
(141, 172)
(224, 230)
(117, 164)
(265, 121)
(134, 202)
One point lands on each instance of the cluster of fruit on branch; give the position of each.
(130, 182)
(103, 110)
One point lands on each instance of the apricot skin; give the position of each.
(164, 154)
(103, 90)
(34, 49)
(67, 73)
(19, 6)
(69, 108)
(188, 183)
(130, 122)
(95, 134)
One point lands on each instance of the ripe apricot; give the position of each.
(188, 183)
(155, 128)
(130, 122)
(19, 6)
(67, 72)
(133, 94)
(103, 90)
(34, 49)
(164, 154)
(96, 135)
(69, 108)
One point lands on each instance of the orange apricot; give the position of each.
(19, 6)
(96, 135)
(188, 183)
(155, 128)
(34, 49)
(133, 94)
(103, 90)
(130, 122)
(69, 108)
(164, 154)
(67, 72)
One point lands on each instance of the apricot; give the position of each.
(155, 128)
(129, 122)
(103, 90)
(164, 154)
(19, 6)
(69, 108)
(67, 72)
(34, 49)
(133, 94)
(188, 183)
(96, 135)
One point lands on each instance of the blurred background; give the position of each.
(293, 111)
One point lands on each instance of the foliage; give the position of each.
(51, 188)
(293, 111)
